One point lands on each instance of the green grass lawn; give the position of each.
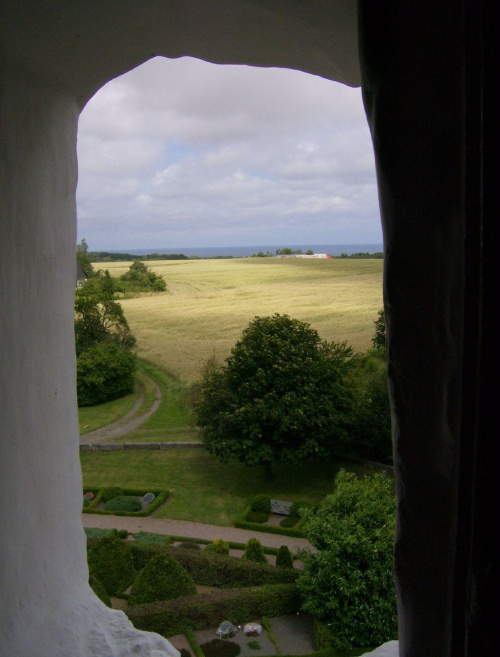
(203, 489)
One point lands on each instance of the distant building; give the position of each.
(80, 274)
(314, 255)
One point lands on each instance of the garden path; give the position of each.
(125, 424)
(189, 529)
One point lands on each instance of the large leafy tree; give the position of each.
(98, 317)
(348, 582)
(278, 397)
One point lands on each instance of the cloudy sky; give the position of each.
(184, 153)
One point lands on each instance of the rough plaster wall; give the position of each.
(46, 606)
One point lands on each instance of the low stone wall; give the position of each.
(119, 447)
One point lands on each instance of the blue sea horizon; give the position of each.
(248, 251)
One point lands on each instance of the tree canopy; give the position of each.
(98, 317)
(83, 257)
(140, 278)
(279, 396)
(378, 340)
(348, 582)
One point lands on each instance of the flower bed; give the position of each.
(100, 495)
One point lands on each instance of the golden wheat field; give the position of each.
(209, 302)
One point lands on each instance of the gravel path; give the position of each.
(125, 424)
(190, 529)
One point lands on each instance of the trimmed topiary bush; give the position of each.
(254, 551)
(99, 590)
(109, 493)
(123, 534)
(284, 558)
(289, 521)
(163, 578)
(110, 561)
(261, 503)
(220, 648)
(257, 516)
(218, 546)
(124, 503)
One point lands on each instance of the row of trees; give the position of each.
(104, 344)
(286, 395)
(103, 341)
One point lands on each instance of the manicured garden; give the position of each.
(157, 586)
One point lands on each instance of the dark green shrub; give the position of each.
(123, 503)
(215, 570)
(185, 652)
(109, 493)
(163, 578)
(257, 516)
(220, 648)
(99, 590)
(289, 521)
(284, 558)
(218, 546)
(123, 534)
(189, 546)
(206, 611)
(104, 372)
(254, 551)
(110, 560)
(261, 503)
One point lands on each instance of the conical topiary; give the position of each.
(110, 560)
(254, 551)
(163, 578)
(284, 558)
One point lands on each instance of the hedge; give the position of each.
(211, 569)
(195, 646)
(160, 497)
(202, 611)
(241, 523)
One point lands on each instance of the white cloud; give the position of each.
(181, 152)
